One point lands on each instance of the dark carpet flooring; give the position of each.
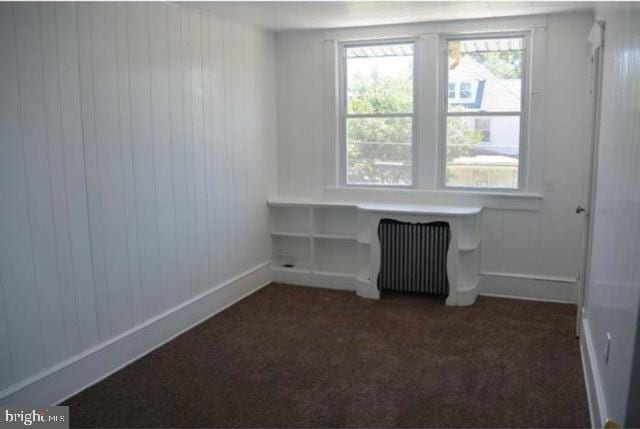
(301, 357)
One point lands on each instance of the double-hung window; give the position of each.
(377, 113)
(484, 112)
(467, 96)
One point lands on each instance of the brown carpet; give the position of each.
(291, 356)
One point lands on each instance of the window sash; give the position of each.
(522, 113)
(344, 115)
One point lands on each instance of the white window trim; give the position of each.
(523, 114)
(428, 60)
(343, 116)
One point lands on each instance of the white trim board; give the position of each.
(530, 287)
(592, 379)
(324, 281)
(64, 380)
(499, 285)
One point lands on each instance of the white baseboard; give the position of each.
(326, 281)
(592, 379)
(502, 285)
(529, 287)
(64, 380)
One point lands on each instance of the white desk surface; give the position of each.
(380, 207)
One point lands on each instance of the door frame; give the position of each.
(597, 51)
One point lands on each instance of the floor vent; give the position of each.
(413, 257)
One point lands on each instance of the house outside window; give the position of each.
(385, 140)
(483, 122)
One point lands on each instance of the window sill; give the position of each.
(515, 200)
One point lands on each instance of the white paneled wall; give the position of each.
(136, 154)
(613, 295)
(535, 244)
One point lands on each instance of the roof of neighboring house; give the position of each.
(495, 94)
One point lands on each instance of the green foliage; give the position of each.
(380, 93)
(379, 149)
(503, 64)
(460, 138)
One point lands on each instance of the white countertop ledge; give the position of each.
(380, 208)
(420, 209)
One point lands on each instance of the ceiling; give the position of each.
(291, 15)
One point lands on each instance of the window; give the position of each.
(458, 123)
(377, 113)
(465, 90)
(483, 126)
(483, 131)
(452, 90)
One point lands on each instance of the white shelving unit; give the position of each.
(314, 239)
(334, 244)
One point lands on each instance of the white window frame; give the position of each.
(444, 106)
(343, 115)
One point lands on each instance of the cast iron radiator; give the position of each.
(413, 257)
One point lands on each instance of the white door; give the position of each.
(596, 38)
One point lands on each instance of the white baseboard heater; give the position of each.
(413, 257)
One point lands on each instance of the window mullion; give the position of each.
(379, 115)
(482, 113)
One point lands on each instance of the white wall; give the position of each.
(136, 154)
(613, 295)
(535, 243)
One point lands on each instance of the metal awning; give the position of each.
(490, 45)
(388, 50)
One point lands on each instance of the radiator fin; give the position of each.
(413, 257)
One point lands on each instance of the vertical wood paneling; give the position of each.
(75, 177)
(158, 27)
(613, 292)
(109, 166)
(85, 59)
(176, 95)
(126, 151)
(200, 198)
(57, 165)
(37, 169)
(6, 363)
(187, 66)
(144, 159)
(218, 30)
(208, 154)
(133, 169)
(16, 265)
(231, 103)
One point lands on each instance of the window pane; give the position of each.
(380, 78)
(483, 152)
(487, 74)
(379, 151)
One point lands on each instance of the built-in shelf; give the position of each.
(334, 244)
(333, 273)
(469, 247)
(335, 236)
(292, 233)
